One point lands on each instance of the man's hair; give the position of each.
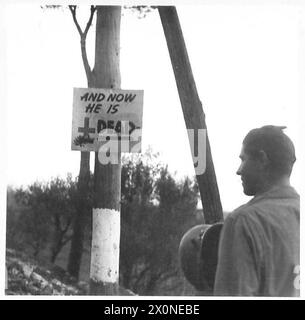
(275, 143)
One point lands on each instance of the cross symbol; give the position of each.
(86, 130)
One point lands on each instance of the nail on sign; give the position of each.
(103, 114)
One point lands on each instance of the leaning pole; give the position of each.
(192, 110)
(104, 266)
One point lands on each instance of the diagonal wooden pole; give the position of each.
(192, 110)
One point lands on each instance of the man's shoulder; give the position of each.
(274, 208)
(278, 197)
(242, 211)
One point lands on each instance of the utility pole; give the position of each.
(104, 268)
(192, 110)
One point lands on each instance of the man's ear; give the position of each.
(262, 155)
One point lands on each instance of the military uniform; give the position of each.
(259, 247)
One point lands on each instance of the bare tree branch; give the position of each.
(83, 36)
(141, 275)
(65, 229)
(92, 10)
(170, 274)
(66, 240)
(73, 12)
(85, 60)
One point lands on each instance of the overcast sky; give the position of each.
(245, 61)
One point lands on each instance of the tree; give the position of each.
(156, 211)
(177, 205)
(83, 209)
(105, 74)
(107, 178)
(139, 173)
(60, 204)
(44, 215)
(31, 223)
(141, 11)
(13, 212)
(84, 173)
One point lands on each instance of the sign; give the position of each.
(100, 115)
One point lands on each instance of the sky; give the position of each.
(244, 60)
(247, 61)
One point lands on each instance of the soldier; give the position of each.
(259, 244)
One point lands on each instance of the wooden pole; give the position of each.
(104, 269)
(192, 110)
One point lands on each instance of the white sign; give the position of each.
(100, 115)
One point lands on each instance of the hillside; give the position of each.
(26, 277)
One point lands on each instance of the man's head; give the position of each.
(267, 156)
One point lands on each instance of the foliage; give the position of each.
(156, 210)
(28, 225)
(141, 11)
(40, 215)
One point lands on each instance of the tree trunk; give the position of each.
(84, 174)
(82, 213)
(104, 269)
(55, 249)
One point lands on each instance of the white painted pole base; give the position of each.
(105, 249)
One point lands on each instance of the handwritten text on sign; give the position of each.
(114, 111)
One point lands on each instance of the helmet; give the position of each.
(198, 252)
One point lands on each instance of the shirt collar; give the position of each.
(277, 192)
